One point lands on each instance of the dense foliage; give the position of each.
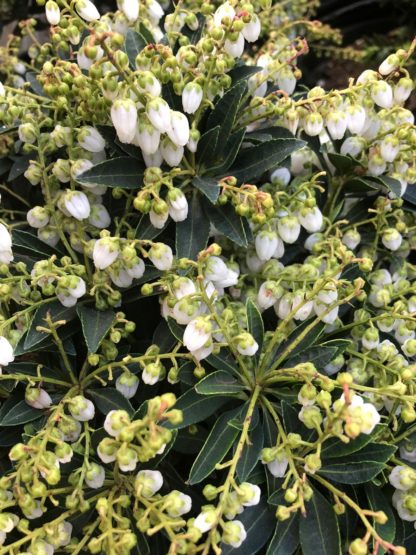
(208, 302)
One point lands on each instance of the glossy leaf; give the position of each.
(192, 234)
(217, 445)
(196, 408)
(95, 325)
(123, 172)
(134, 43)
(285, 539)
(219, 383)
(319, 532)
(109, 398)
(255, 325)
(378, 502)
(208, 187)
(19, 414)
(225, 113)
(56, 311)
(227, 222)
(251, 453)
(207, 146)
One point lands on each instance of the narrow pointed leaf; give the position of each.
(192, 234)
(123, 172)
(95, 325)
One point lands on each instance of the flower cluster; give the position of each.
(207, 321)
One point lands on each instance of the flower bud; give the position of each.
(127, 384)
(76, 204)
(191, 97)
(161, 255)
(124, 118)
(81, 409)
(130, 9)
(6, 352)
(159, 114)
(90, 139)
(37, 398)
(148, 482)
(53, 13)
(105, 252)
(87, 10)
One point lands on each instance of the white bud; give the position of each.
(146, 137)
(225, 10)
(95, 475)
(311, 219)
(392, 239)
(235, 48)
(289, 229)
(87, 10)
(81, 409)
(172, 153)
(251, 31)
(266, 243)
(161, 255)
(99, 216)
(197, 333)
(179, 130)
(37, 217)
(106, 251)
(336, 123)
(159, 114)
(148, 482)
(6, 255)
(286, 81)
(127, 384)
(124, 118)
(37, 398)
(53, 13)
(6, 352)
(77, 204)
(313, 124)
(191, 97)
(130, 9)
(91, 140)
(382, 94)
(391, 63)
(356, 118)
(178, 205)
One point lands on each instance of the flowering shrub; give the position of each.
(207, 295)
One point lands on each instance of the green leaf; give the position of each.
(27, 243)
(190, 443)
(378, 502)
(285, 539)
(208, 186)
(310, 339)
(196, 408)
(335, 448)
(225, 113)
(219, 383)
(352, 472)
(146, 230)
(238, 419)
(259, 522)
(359, 186)
(134, 43)
(123, 172)
(243, 72)
(227, 222)
(109, 398)
(217, 445)
(319, 531)
(391, 184)
(146, 34)
(255, 325)
(322, 354)
(269, 133)
(250, 454)
(343, 164)
(57, 311)
(223, 361)
(20, 165)
(253, 162)
(20, 413)
(207, 146)
(95, 325)
(176, 330)
(293, 424)
(230, 153)
(192, 234)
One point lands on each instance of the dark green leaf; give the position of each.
(219, 383)
(230, 152)
(56, 311)
(208, 186)
(239, 418)
(225, 113)
(227, 222)
(352, 472)
(335, 448)
(163, 337)
(19, 414)
(321, 355)
(95, 325)
(192, 234)
(108, 398)
(196, 407)
(27, 243)
(378, 502)
(20, 165)
(190, 443)
(344, 164)
(285, 539)
(255, 325)
(269, 133)
(359, 186)
(123, 172)
(31, 369)
(293, 424)
(223, 361)
(391, 184)
(186, 373)
(176, 329)
(259, 522)
(217, 445)
(243, 72)
(319, 531)
(146, 34)
(250, 454)
(145, 229)
(410, 196)
(134, 43)
(207, 147)
(34, 83)
(310, 339)
(253, 162)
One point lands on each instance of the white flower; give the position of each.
(392, 239)
(266, 244)
(77, 204)
(389, 148)
(402, 90)
(215, 269)
(280, 176)
(130, 8)
(37, 398)
(235, 48)
(399, 502)
(37, 217)
(251, 31)
(311, 219)
(191, 97)
(159, 114)
(172, 153)
(178, 503)
(268, 294)
(286, 81)
(336, 123)
(234, 533)
(105, 252)
(6, 352)
(313, 124)
(223, 11)
(320, 308)
(179, 130)
(246, 344)
(81, 409)
(289, 229)
(53, 13)
(148, 482)
(402, 478)
(356, 115)
(6, 255)
(124, 118)
(137, 270)
(388, 65)
(120, 277)
(178, 205)
(95, 475)
(158, 220)
(87, 10)
(408, 454)
(146, 137)
(127, 384)
(2, 90)
(382, 94)
(251, 494)
(99, 216)
(197, 333)
(115, 421)
(91, 140)
(161, 255)
(155, 11)
(351, 238)
(205, 520)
